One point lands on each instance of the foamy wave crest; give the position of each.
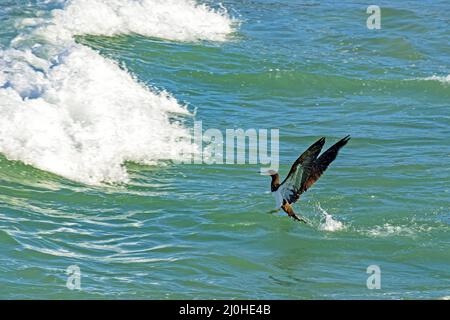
(169, 19)
(66, 109)
(83, 117)
(439, 78)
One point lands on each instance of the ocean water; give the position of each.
(99, 97)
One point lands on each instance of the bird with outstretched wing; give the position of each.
(305, 171)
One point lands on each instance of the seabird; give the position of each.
(305, 171)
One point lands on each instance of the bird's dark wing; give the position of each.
(312, 169)
(290, 187)
(322, 163)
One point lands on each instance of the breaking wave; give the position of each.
(442, 79)
(66, 109)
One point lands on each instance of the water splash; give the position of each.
(328, 223)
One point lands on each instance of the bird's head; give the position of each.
(275, 183)
(269, 172)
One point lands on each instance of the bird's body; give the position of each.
(278, 199)
(305, 171)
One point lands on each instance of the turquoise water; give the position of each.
(162, 230)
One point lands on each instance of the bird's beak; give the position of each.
(265, 172)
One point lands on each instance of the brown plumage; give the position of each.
(305, 171)
(290, 211)
(275, 182)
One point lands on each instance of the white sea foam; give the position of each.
(66, 109)
(328, 223)
(83, 117)
(387, 230)
(169, 19)
(439, 78)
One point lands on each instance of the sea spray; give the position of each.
(328, 223)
